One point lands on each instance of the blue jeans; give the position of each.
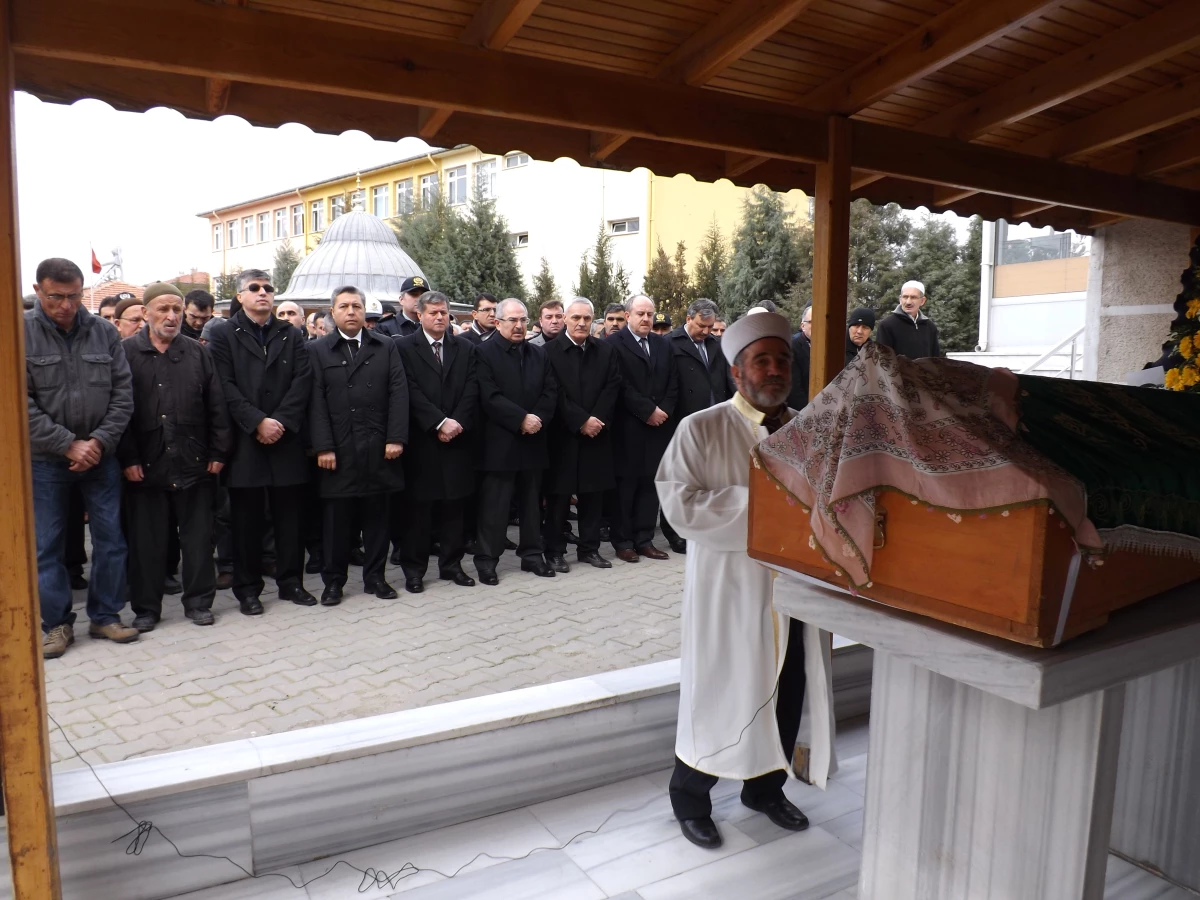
(101, 488)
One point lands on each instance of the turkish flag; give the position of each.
(96, 267)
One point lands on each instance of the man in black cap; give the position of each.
(858, 331)
(662, 324)
(408, 322)
(483, 324)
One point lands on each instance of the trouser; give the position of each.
(76, 553)
(314, 515)
(342, 518)
(557, 507)
(669, 533)
(496, 491)
(222, 530)
(637, 509)
(150, 513)
(426, 521)
(690, 787)
(101, 488)
(248, 508)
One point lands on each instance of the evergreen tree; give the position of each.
(878, 238)
(487, 259)
(951, 276)
(799, 295)
(432, 237)
(765, 261)
(601, 279)
(225, 286)
(544, 288)
(711, 265)
(659, 278)
(668, 284)
(286, 260)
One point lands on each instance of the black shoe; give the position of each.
(782, 812)
(396, 559)
(268, 569)
(537, 567)
(332, 595)
(382, 590)
(224, 581)
(251, 606)
(200, 616)
(559, 564)
(357, 557)
(701, 832)
(595, 559)
(313, 566)
(509, 545)
(679, 545)
(414, 585)
(605, 533)
(172, 586)
(78, 582)
(570, 537)
(299, 596)
(487, 576)
(459, 577)
(144, 623)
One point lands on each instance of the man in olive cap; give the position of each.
(129, 316)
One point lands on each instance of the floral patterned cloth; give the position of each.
(939, 431)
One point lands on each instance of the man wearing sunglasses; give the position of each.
(264, 370)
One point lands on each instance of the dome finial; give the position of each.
(357, 199)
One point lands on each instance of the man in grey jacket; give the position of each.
(80, 402)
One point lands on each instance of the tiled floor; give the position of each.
(621, 842)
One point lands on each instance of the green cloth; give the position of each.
(1136, 449)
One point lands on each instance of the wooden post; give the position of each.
(831, 252)
(24, 740)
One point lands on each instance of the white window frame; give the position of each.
(379, 198)
(404, 196)
(247, 231)
(337, 207)
(218, 234)
(485, 178)
(430, 186)
(625, 226)
(232, 227)
(264, 227)
(281, 224)
(519, 239)
(516, 160)
(298, 219)
(456, 185)
(318, 215)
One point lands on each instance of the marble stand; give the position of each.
(993, 767)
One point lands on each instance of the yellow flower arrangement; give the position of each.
(1172, 380)
(1187, 347)
(1193, 308)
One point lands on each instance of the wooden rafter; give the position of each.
(740, 163)
(430, 120)
(217, 95)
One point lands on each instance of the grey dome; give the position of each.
(357, 249)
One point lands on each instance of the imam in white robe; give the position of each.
(733, 640)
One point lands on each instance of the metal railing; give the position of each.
(1069, 345)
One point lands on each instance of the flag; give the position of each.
(96, 267)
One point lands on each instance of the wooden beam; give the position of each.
(860, 179)
(217, 95)
(946, 196)
(1099, 220)
(1166, 156)
(497, 22)
(605, 144)
(955, 33)
(430, 120)
(1023, 209)
(831, 250)
(740, 163)
(24, 738)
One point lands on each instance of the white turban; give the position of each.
(913, 284)
(750, 328)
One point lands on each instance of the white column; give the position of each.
(973, 797)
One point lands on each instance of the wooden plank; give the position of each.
(1023, 209)
(960, 30)
(217, 95)
(24, 738)
(430, 121)
(740, 163)
(831, 249)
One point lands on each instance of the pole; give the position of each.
(831, 253)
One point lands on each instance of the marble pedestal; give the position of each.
(993, 767)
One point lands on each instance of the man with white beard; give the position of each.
(746, 671)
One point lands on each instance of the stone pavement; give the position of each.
(184, 686)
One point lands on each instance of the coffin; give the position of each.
(1006, 575)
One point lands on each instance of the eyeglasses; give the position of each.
(254, 287)
(523, 320)
(59, 298)
(136, 320)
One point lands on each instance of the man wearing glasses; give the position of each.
(264, 370)
(801, 356)
(80, 402)
(483, 319)
(130, 316)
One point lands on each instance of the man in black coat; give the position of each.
(177, 442)
(443, 404)
(483, 320)
(517, 395)
(358, 422)
(581, 447)
(801, 361)
(264, 371)
(410, 291)
(643, 428)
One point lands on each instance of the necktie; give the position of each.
(645, 346)
(437, 351)
(353, 347)
(703, 352)
(773, 423)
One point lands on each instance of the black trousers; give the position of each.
(637, 510)
(426, 521)
(668, 532)
(76, 555)
(557, 507)
(497, 490)
(343, 517)
(248, 511)
(314, 516)
(149, 527)
(222, 530)
(690, 788)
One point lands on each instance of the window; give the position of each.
(318, 215)
(337, 206)
(264, 228)
(485, 178)
(232, 234)
(456, 185)
(516, 159)
(404, 197)
(1023, 243)
(379, 200)
(247, 230)
(520, 239)
(429, 190)
(298, 219)
(280, 224)
(624, 226)
(217, 237)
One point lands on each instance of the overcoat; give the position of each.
(514, 380)
(260, 380)
(359, 404)
(436, 470)
(589, 384)
(700, 386)
(646, 382)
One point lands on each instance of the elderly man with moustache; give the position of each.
(178, 440)
(129, 316)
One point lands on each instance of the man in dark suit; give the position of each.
(703, 377)
(643, 428)
(581, 447)
(410, 292)
(359, 426)
(517, 395)
(264, 370)
(443, 401)
(801, 356)
(483, 320)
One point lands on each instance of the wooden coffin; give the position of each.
(1001, 575)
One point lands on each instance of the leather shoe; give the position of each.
(382, 590)
(559, 564)
(313, 566)
(299, 596)
(488, 576)
(332, 595)
(200, 616)
(537, 567)
(396, 559)
(628, 556)
(679, 545)
(459, 577)
(78, 582)
(172, 586)
(595, 559)
(782, 812)
(414, 585)
(570, 537)
(702, 832)
(144, 623)
(224, 581)
(652, 552)
(509, 545)
(251, 606)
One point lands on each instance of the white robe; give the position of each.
(733, 640)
